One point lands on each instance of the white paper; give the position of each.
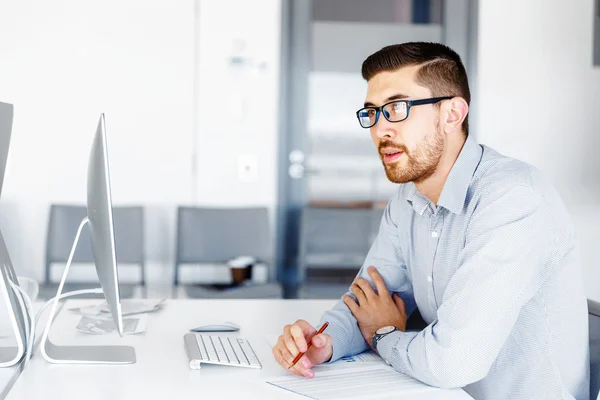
(128, 307)
(370, 382)
(87, 310)
(102, 325)
(368, 357)
(133, 306)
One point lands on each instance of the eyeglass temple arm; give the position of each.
(428, 101)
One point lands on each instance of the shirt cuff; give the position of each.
(340, 341)
(394, 347)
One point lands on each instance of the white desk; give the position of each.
(162, 369)
(8, 376)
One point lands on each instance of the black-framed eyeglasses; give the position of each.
(394, 111)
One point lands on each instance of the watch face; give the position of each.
(385, 329)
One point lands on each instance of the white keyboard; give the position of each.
(219, 350)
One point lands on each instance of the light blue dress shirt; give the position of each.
(494, 269)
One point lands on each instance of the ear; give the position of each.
(455, 111)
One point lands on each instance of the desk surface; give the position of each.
(162, 370)
(8, 376)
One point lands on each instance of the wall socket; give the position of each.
(248, 167)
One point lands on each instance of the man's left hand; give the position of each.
(375, 310)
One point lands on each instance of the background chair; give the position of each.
(62, 228)
(217, 235)
(333, 245)
(594, 322)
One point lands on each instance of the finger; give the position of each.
(321, 340)
(296, 370)
(377, 280)
(285, 359)
(367, 289)
(283, 351)
(302, 367)
(306, 328)
(307, 373)
(290, 345)
(399, 303)
(305, 362)
(359, 294)
(299, 368)
(288, 360)
(351, 303)
(280, 358)
(298, 337)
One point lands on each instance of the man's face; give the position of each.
(411, 149)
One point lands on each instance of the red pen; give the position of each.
(299, 356)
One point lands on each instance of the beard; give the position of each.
(422, 161)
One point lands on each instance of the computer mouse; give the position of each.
(217, 327)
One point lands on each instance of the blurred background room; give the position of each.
(237, 166)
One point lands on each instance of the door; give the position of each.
(326, 160)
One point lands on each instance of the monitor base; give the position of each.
(81, 354)
(88, 354)
(10, 355)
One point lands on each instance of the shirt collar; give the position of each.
(457, 184)
(418, 202)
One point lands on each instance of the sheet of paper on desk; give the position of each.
(103, 325)
(128, 307)
(135, 306)
(368, 357)
(369, 382)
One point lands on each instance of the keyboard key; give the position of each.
(225, 350)
(229, 351)
(248, 352)
(212, 354)
(240, 353)
(202, 348)
(219, 348)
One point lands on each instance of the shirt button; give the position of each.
(429, 278)
(434, 234)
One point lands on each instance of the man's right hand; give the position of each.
(294, 340)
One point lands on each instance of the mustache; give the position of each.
(389, 144)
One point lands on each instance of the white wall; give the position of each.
(147, 64)
(238, 89)
(238, 105)
(538, 98)
(65, 62)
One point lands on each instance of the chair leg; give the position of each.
(48, 273)
(176, 274)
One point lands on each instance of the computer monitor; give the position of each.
(14, 318)
(6, 122)
(100, 219)
(99, 206)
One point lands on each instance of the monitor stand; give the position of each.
(9, 356)
(14, 342)
(81, 354)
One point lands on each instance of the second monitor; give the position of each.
(100, 219)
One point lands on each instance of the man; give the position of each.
(479, 242)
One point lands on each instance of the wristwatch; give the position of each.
(381, 333)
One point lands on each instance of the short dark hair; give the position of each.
(442, 70)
